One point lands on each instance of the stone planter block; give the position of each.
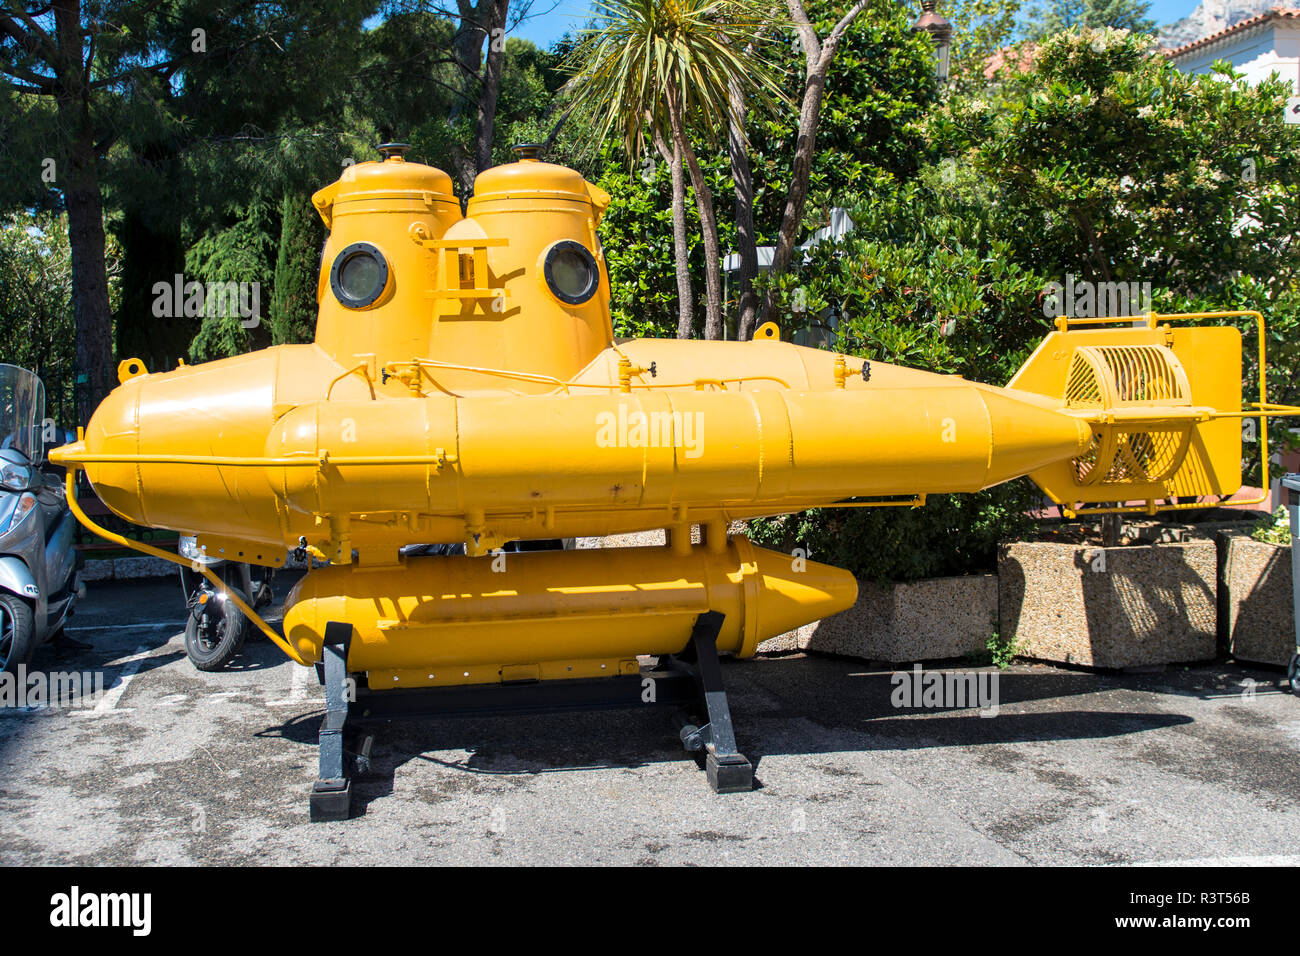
(1258, 600)
(932, 619)
(1110, 607)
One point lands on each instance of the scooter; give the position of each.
(215, 629)
(38, 563)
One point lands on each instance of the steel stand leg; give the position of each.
(331, 795)
(728, 770)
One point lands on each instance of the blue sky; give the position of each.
(545, 29)
(1167, 11)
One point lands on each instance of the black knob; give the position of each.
(390, 150)
(525, 151)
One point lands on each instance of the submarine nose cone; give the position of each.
(113, 430)
(795, 592)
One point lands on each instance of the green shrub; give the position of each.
(951, 535)
(1275, 529)
(1002, 650)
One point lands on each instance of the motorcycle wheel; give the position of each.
(215, 635)
(17, 623)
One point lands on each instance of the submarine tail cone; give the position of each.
(1027, 436)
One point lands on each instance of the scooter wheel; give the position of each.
(17, 624)
(215, 633)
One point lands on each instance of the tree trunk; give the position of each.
(746, 248)
(79, 180)
(804, 152)
(491, 89)
(681, 249)
(708, 227)
(467, 47)
(477, 19)
(818, 56)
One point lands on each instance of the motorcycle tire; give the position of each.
(214, 637)
(17, 626)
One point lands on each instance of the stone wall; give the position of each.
(127, 569)
(933, 619)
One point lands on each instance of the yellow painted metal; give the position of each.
(472, 403)
(407, 470)
(434, 621)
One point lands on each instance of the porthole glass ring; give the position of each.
(571, 272)
(359, 275)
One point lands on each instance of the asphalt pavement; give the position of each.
(1189, 765)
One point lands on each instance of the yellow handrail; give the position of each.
(70, 489)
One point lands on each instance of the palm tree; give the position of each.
(657, 70)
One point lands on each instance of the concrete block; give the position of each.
(1258, 599)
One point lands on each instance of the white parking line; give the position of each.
(127, 627)
(129, 668)
(1226, 861)
(300, 690)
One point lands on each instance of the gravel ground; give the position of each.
(1185, 766)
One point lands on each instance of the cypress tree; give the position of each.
(293, 296)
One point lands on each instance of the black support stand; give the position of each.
(331, 796)
(727, 768)
(690, 683)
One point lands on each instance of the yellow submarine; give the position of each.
(465, 386)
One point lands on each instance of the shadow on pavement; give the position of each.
(791, 706)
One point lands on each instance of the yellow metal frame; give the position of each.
(1263, 409)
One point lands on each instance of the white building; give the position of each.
(1264, 44)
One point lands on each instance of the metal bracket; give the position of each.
(690, 682)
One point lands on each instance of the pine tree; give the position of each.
(1061, 15)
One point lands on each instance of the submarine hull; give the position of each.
(270, 463)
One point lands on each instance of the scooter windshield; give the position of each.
(22, 412)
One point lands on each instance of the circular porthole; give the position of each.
(359, 275)
(571, 272)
